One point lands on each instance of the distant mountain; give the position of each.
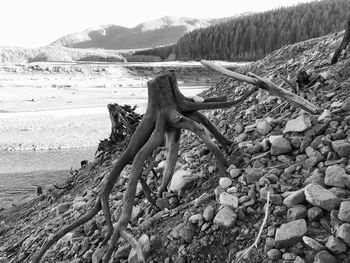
(164, 31)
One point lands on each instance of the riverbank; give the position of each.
(63, 105)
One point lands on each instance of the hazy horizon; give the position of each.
(40, 22)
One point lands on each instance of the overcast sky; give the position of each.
(34, 23)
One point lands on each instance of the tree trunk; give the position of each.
(345, 42)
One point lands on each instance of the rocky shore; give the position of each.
(297, 162)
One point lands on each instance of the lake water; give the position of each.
(21, 172)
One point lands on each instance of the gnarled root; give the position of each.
(168, 111)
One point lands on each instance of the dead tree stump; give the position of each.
(344, 43)
(168, 112)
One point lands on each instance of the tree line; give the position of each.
(252, 37)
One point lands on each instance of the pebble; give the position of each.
(225, 217)
(227, 199)
(314, 213)
(336, 175)
(344, 211)
(295, 198)
(180, 180)
(290, 233)
(335, 245)
(280, 146)
(225, 182)
(343, 232)
(208, 213)
(341, 147)
(312, 243)
(296, 212)
(324, 257)
(319, 196)
(274, 254)
(300, 124)
(62, 208)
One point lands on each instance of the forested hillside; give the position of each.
(251, 37)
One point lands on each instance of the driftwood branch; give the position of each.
(344, 43)
(267, 85)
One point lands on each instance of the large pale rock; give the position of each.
(280, 146)
(343, 232)
(319, 196)
(180, 180)
(342, 148)
(337, 176)
(290, 233)
(225, 217)
(344, 211)
(145, 246)
(227, 199)
(300, 124)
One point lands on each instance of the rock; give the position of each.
(314, 213)
(225, 217)
(299, 260)
(295, 198)
(227, 199)
(290, 233)
(324, 257)
(300, 124)
(341, 147)
(187, 232)
(208, 213)
(337, 176)
(296, 212)
(280, 146)
(344, 211)
(145, 246)
(180, 180)
(319, 196)
(253, 175)
(335, 245)
(225, 182)
(162, 203)
(325, 114)
(263, 127)
(274, 254)
(62, 208)
(313, 243)
(195, 219)
(235, 173)
(343, 232)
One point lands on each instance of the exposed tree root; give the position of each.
(168, 111)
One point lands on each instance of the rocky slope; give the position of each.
(162, 31)
(302, 160)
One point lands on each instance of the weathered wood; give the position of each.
(344, 43)
(267, 85)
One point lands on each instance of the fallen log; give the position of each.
(268, 85)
